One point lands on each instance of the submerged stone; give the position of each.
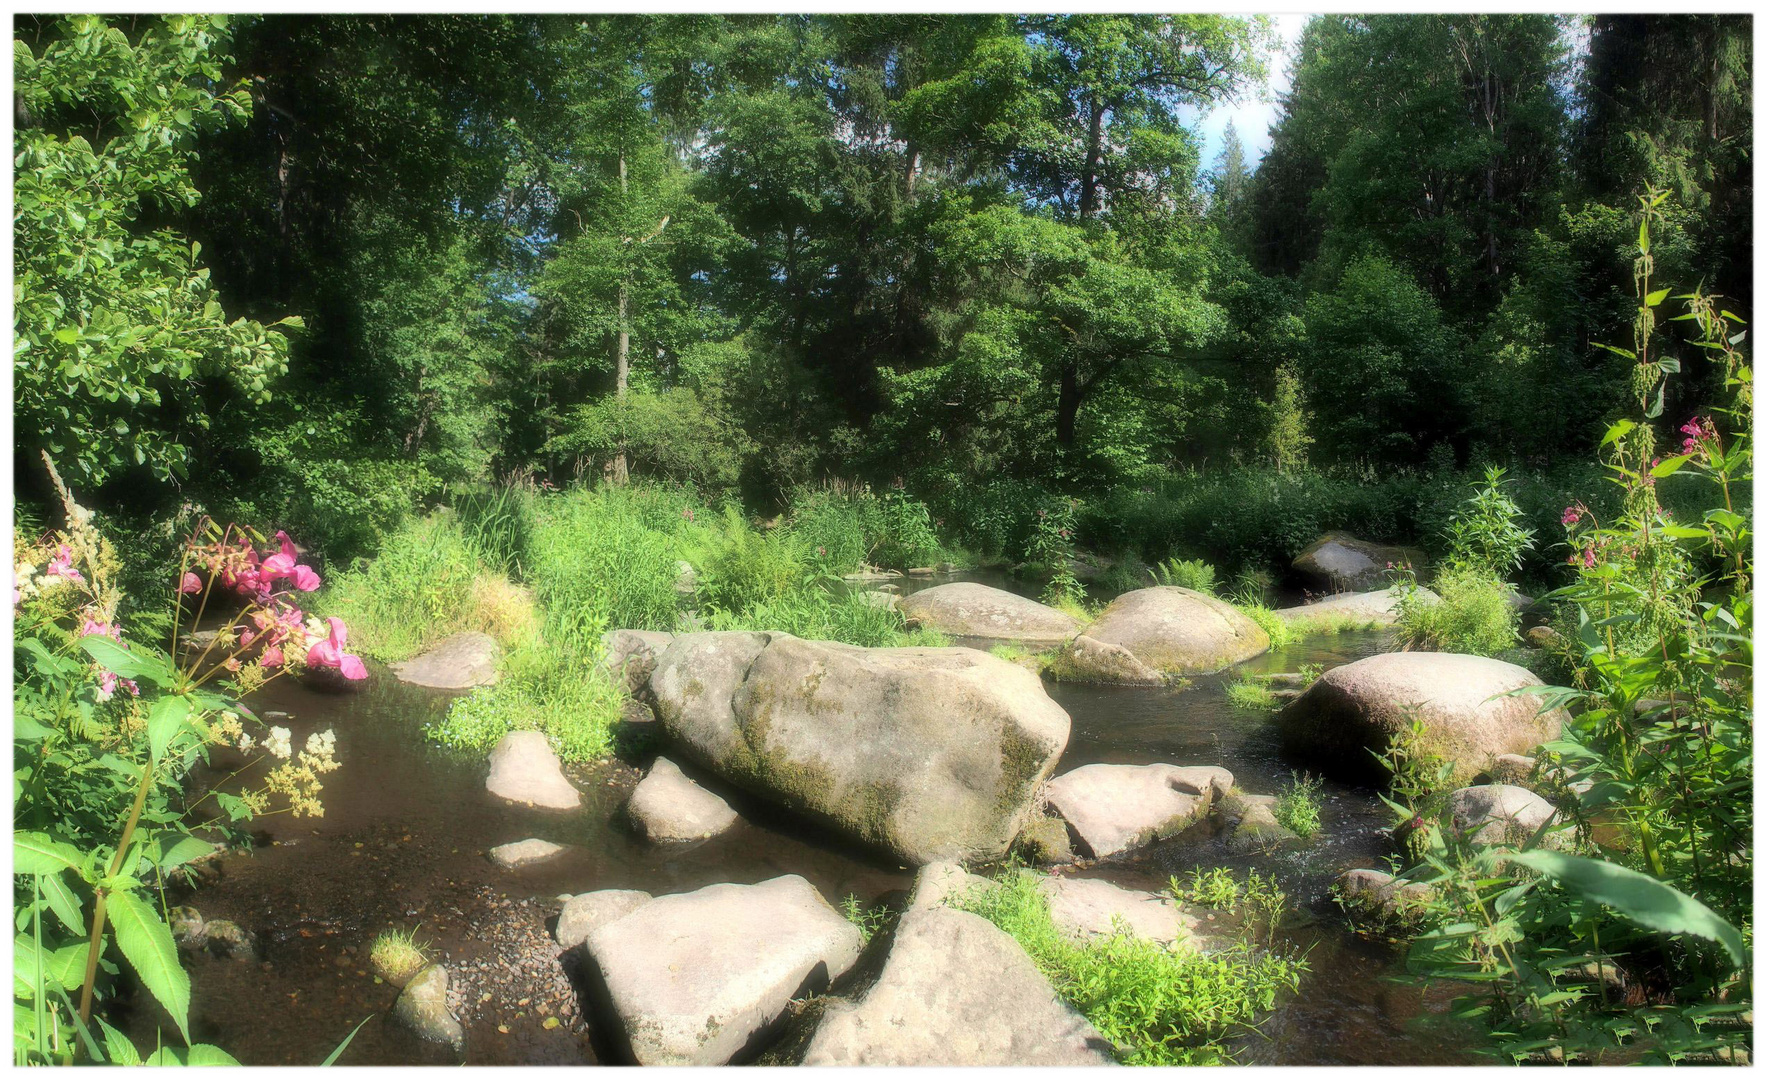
(1116, 808)
(460, 662)
(523, 852)
(667, 806)
(525, 770)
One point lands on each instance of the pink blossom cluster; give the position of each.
(274, 624)
(1697, 431)
(241, 569)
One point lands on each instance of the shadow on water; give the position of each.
(407, 824)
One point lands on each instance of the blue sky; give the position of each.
(1254, 115)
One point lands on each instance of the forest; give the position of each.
(422, 382)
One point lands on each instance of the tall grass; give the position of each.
(418, 590)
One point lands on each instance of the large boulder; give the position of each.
(629, 655)
(1165, 629)
(956, 990)
(1362, 706)
(966, 609)
(590, 911)
(460, 662)
(667, 805)
(1380, 607)
(1115, 808)
(924, 753)
(1339, 562)
(1502, 814)
(697, 978)
(525, 770)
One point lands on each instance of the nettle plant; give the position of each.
(1639, 946)
(105, 731)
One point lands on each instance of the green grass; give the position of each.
(1158, 1006)
(1278, 630)
(1251, 694)
(1257, 901)
(415, 592)
(396, 955)
(1298, 806)
(1474, 615)
(1330, 623)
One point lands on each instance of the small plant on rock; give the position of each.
(396, 956)
(1298, 806)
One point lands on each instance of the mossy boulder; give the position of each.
(629, 655)
(1044, 842)
(1164, 630)
(967, 609)
(1465, 704)
(1340, 562)
(923, 753)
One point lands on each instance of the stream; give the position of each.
(407, 824)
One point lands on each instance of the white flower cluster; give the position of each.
(322, 743)
(24, 581)
(278, 743)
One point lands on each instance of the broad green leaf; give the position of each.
(147, 944)
(185, 850)
(165, 1056)
(67, 965)
(203, 1054)
(1644, 899)
(163, 724)
(36, 853)
(1669, 466)
(113, 657)
(63, 902)
(117, 1046)
(1616, 430)
(1656, 297)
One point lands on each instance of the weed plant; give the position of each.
(1298, 806)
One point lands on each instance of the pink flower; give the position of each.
(1573, 514)
(191, 583)
(272, 657)
(108, 683)
(1589, 558)
(102, 629)
(305, 579)
(62, 566)
(330, 652)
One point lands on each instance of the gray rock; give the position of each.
(967, 609)
(1085, 908)
(423, 1007)
(686, 581)
(1463, 701)
(921, 571)
(879, 599)
(666, 806)
(1380, 607)
(460, 662)
(1544, 638)
(1339, 562)
(1512, 769)
(1382, 894)
(230, 941)
(955, 990)
(1115, 808)
(941, 884)
(870, 574)
(1044, 842)
(1252, 821)
(1086, 659)
(588, 911)
(925, 753)
(1168, 629)
(694, 978)
(525, 770)
(1501, 814)
(630, 655)
(187, 927)
(523, 852)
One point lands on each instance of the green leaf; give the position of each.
(112, 657)
(1656, 297)
(184, 851)
(1641, 898)
(36, 853)
(117, 1046)
(1668, 466)
(1617, 430)
(164, 723)
(63, 902)
(147, 944)
(67, 965)
(203, 1054)
(335, 1054)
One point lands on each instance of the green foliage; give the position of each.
(666, 436)
(416, 592)
(1485, 534)
(542, 686)
(1258, 902)
(1188, 573)
(1474, 614)
(118, 326)
(1289, 438)
(1051, 548)
(397, 952)
(1298, 806)
(1158, 1006)
(1251, 694)
(869, 920)
(1281, 631)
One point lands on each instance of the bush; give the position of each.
(1474, 616)
(597, 561)
(1159, 1006)
(418, 590)
(1276, 628)
(561, 692)
(1298, 806)
(1194, 574)
(744, 568)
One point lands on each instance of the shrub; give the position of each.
(1194, 574)
(1298, 806)
(1275, 627)
(416, 591)
(1159, 1006)
(745, 568)
(1486, 532)
(1474, 614)
(597, 561)
(562, 693)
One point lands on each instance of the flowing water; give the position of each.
(406, 827)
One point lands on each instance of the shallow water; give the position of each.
(406, 827)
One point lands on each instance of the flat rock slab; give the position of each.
(1501, 814)
(668, 806)
(523, 852)
(461, 662)
(955, 990)
(1339, 561)
(1085, 908)
(589, 911)
(1167, 629)
(423, 1007)
(525, 770)
(1116, 808)
(1465, 704)
(967, 609)
(942, 883)
(694, 978)
(1380, 607)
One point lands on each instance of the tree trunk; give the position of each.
(1067, 404)
(623, 342)
(1089, 177)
